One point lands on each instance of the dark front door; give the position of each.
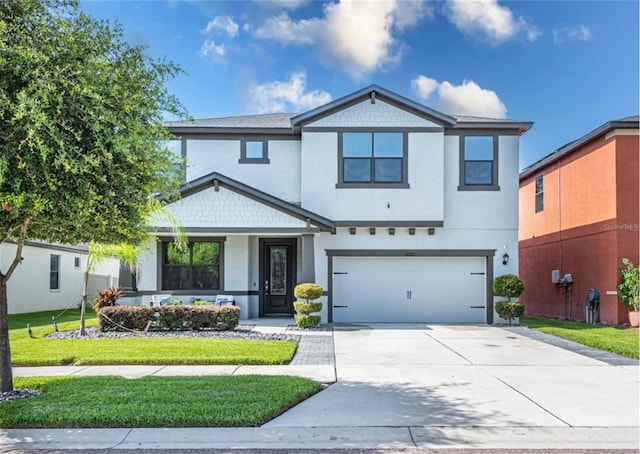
(278, 275)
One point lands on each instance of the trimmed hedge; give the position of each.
(308, 291)
(168, 318)
(303, 307)
(307, 321)
(509, 310)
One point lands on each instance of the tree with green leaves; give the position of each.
(81, 115)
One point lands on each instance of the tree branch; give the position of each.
(10, 232)
(18, 257)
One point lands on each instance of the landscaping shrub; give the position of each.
(508, 286)
(169, 318)
(307, 321)
(202, 303)
(304, 308)
(174, 303)
(509, 309)
(123, 318)
(106, 298)
(308, 291)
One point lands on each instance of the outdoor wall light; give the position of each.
(431, 230)
(352, 230)
(505, 258)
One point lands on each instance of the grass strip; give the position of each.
(93, 402)
(41, 351)
(625, 342)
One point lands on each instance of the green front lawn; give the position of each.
(625, 342)
(41, 351)
(236, 401)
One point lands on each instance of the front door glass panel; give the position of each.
(278, 278)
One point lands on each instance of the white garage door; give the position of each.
(409, 289)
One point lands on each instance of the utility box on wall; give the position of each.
(555, 276)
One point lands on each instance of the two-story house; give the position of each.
(402, 213)
(579, 217)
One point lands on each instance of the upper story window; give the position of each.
(539, 193)
(372, 159)
(254, 152)
(175, 147)
(478, 163)
(198, 267)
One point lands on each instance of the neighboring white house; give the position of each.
(50, 277)
(402, 213)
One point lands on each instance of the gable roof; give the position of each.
(291, 123)
(373, 92)
(217, 179)
(631, 122)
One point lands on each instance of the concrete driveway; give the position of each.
(465, 376)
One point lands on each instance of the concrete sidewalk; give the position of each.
(403, 437)
(320, 373)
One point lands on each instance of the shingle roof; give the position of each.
(273, 120)
(632, 121)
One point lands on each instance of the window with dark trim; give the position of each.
(54, 272)
(478, 163)
(254, 152)
(539, 193)
(175, 146)
(372, 159)
(76, 262)
(196, 267)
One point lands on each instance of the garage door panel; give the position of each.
(409, 289)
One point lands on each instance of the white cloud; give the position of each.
(282, 29)
(355, 36)
(573, 33)
(465, 99)
(489, 21)
(222, 24)
(285, 96)
(423, 86)
(212, 51)
(286, 4)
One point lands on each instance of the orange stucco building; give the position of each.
(579, 215)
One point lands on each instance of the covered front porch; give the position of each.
(243, 245)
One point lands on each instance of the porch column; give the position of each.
(308, 261)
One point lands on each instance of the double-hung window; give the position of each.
(478, 163)
(372, 158)
(196, 267)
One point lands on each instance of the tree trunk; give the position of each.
(83, 305)
(6, 376)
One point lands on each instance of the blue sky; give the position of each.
(569, 66)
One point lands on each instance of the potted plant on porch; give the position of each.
(629, 290)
